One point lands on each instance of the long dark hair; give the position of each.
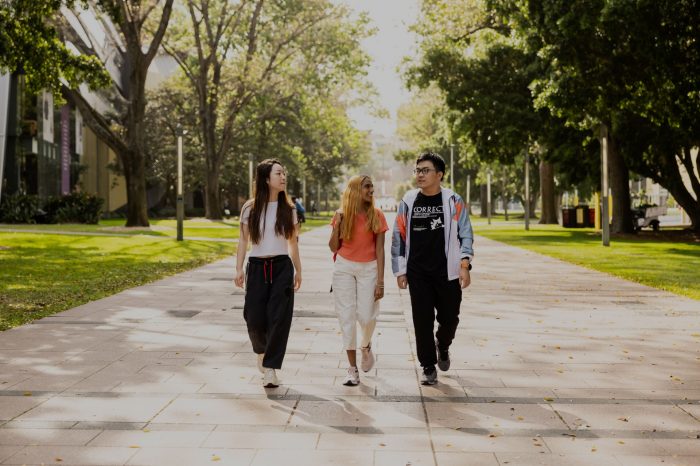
(284, 224)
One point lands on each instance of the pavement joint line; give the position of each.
(647, 434)
(295, 396)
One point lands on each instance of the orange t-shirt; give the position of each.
(361, 248)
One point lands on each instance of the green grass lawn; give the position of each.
(192, 228)
(669, 265)
(44, 274)
(41, 274)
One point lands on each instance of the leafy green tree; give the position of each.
(621, 64)
(32, 41)
(259, 55)
(485, 76)
(31, 44)
(141, 27)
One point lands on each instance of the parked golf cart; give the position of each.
(648, 216)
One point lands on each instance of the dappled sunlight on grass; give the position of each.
(44, 274)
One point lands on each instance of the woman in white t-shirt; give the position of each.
(271, 277)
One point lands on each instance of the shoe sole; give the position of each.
(350, 384)
(270, 385)
(429, 383)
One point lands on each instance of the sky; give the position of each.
(387, 47)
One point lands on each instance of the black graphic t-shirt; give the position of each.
(427, 249)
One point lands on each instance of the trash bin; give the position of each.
(568, 217)
(591, 217)
(581, 216)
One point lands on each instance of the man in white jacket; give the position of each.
(431, 253)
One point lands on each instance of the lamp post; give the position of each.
(469, 186)
(488, 195)
(605, 214)
(180, 206)
(527, 190)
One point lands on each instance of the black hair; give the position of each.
(284, 223)
(437, 161)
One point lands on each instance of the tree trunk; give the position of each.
(212, 204)
(549, 208)
(483, 200)
(136, 202)
(622, 221)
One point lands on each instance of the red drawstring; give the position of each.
(265, 262)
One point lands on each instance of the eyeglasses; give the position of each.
(422, 171)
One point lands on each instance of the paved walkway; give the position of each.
(553, 364)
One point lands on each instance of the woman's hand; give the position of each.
(297, 281)
(378, 291)
(240, 278)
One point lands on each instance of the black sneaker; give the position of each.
(443, 357)
(429, 376)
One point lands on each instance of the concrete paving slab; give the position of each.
(62, 455)
(575, 367)
(191, 456)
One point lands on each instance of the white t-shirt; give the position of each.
(271, 244)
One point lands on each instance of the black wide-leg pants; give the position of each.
(269, 303)
(433, 296)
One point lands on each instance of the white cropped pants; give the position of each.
(353, 288)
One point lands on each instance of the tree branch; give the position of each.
(97, 123)
(687, 160)
(158, 36)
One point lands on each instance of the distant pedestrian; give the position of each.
(301, 212)
(271, 277)
(431, 253)
(358, 278)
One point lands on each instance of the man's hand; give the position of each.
(402, 281)
(240, 278)
(464, 278)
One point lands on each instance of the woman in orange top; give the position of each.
(358, 277)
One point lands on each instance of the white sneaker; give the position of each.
(367, 358)
(353, 377)
(270, 379)
(260, 360)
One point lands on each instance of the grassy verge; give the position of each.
(669, 265)
(315, 222)
(44, 274)
(191, 228)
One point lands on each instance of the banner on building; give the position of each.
(65, 149)
(47, 112)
